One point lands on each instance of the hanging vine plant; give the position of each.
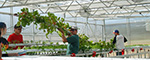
(48, 23)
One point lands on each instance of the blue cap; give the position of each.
(116, 31)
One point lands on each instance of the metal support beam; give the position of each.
(39, 8)
(11, 20)
(104, 31)
(86, 26)
(128, 31)
(100, 3)
(33, 30)
(4, 3)
(25, 1)
(132, 10)
(34, 3)
(76, 21)
(59, 7)
(95, 31)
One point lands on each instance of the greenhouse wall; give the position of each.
(135, 29)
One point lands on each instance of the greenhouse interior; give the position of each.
(97, 21)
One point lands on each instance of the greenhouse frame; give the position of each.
(95, 18)
(92, 15)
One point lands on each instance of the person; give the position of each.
(3, 41)
(73, 40)
(118, 41)
(16, 37)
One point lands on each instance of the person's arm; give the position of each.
(125, 40)
(63, 35)
(114, 41)
(64, 38)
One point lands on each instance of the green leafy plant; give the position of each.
(85, 45)
(47, 23)
(102, 45)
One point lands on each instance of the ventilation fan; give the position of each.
(85, 11)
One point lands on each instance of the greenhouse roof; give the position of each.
(96, 9)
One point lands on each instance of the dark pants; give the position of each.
(4, 55)
(118, 53)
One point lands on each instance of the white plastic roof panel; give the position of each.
(102, 9)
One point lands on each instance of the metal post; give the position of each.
(108, 55)
(33, 31)
(95, 31)
(128, 31)
(138, 54)
(127, 52)
(148, 53)
(76, 21)
(64, 15)
(144, 54)
(11, 20)
(113, 54)
(104, 31)
(87, 25)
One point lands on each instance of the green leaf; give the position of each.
(62, 19)
(59, 33)
(19, 48)
(58, 18)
